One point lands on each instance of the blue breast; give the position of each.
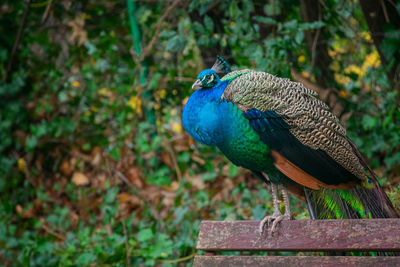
(211, 120)
(207, 117)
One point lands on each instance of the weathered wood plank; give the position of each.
(275, 261)
(302, 235)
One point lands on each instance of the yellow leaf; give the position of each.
(331, 53)
(163, 93)
(176, 127)
(366, 36)
(341, 79)
(185, 100)
(22, 165)
(103, 91)
(344, 94)
(305, 74)
(354, 69)
(135, 103)
(94, 109)
(337, 48)
(301, 59)
(76, 84)
(335, 66)
(372, 60)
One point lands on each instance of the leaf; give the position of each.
(312, 25)
(265, 20)
(392, 160)
(115, 153)
(172, 44)
(196, 181)
(299, 37)
(80, 179)
(208, 23)
(291, 25)
(145, 234)
(85, 258)
(259, 212)
(133, 175)
(233, 170)
(369, 122)
(209, 176)
(79, 35)
(111, 195)
(66, 168)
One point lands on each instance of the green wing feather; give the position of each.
(310, 119)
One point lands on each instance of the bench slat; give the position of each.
(206, 261)
(302, 235)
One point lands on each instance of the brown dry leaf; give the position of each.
(225, 192)
(190, 140)
(25, 214)
(149, 155)
(152, 193)
(181, 142)
(29, 214)
(173, 187)
(18, 208)
(78, 35)
(99, 180)
(80, 179)
(168, 198)
(166, 159)
(133, 176)
(66, 168)
(197, 181)
(96, 156)
(124, 197)
(198, 159)
(225, 169)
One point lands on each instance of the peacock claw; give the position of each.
(274, 219)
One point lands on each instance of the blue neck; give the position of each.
(210, 94)
(206, 116)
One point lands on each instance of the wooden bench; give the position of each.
(301, 235)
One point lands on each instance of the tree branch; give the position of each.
(149, 46)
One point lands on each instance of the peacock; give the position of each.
(283, 133)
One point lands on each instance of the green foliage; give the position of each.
(83, 109)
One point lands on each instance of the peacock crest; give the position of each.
(220, 66)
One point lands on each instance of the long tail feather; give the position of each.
(356, 203)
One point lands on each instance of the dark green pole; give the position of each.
(144, 72)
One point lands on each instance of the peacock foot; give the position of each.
(277, 216)
(272, 220)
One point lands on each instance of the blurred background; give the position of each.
(95, 166)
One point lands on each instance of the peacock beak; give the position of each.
(196, 85)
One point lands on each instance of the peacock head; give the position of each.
(207, 78)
